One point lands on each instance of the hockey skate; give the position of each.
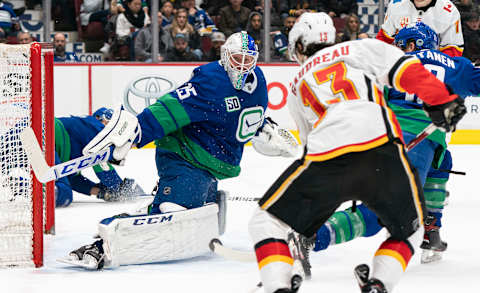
(89, 256)
(432, 244)
(296, 282)
(300, 247)
(367, 285)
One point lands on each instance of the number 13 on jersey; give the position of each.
(339, 84)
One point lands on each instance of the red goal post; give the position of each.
(27, 207)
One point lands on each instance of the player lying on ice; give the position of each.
(464, 79)
(72, 134)
(200, 130)
(354, 151)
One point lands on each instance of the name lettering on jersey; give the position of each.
(437, 57)
(326, 57)
(152, 220)
(232, 103)
(249, 121)
(186, 91)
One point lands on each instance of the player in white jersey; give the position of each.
(353, 151)
(441, 15)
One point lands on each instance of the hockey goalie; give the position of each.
(199, 130)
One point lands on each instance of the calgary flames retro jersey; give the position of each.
(442, 16)
(338, 102)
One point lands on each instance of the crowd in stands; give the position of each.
(194, 30)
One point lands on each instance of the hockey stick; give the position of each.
(45, 173)
(243, 198)
(232, 254)
(421, 136)
(453, 172)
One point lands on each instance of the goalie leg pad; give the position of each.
(161, 237)
(222, 210)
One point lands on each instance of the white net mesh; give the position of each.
(16, 230)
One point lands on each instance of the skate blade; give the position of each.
(429, 256)
(78, 263)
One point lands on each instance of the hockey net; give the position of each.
(26, 100)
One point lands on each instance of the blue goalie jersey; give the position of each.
(207, 121)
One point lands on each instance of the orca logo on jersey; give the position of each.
(145, 90)
(249, 121)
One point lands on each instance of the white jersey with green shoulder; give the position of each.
(337, 97)
(443, 17)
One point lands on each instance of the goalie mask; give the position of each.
(310, 28)
(239, 58)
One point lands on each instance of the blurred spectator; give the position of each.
(64, 15)
(218, 39)
(3, 36)
(338, 8)
(34, 4)
(280, 39)
(60, 55)
(131, 20)
(18, 6)
(471, 36)
(181, 25)
(13, 31)
(167, 13)
(352, 30)
(94, 10)
(233, 18)
(7, 16)
(255, 30)
(180, 51)
(144, 41)
(275, 18)
(119, 6)
(251, 4)
(24, 38)
(213, 6)
(465, 5)
(127, 24)
(202, 23)
(296, 7)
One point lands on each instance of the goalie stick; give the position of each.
(232, 254)
(45, 173)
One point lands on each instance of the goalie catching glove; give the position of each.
(446, 116)
(122, 132)
(271, 140)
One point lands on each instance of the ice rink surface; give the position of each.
(459, 271)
